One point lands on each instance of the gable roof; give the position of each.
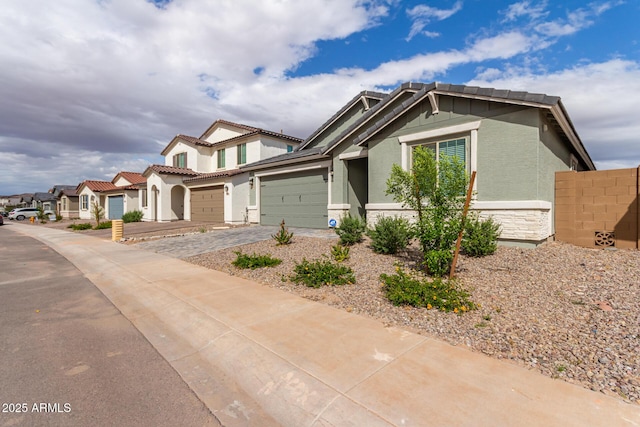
(228, 123)
(363, 96)
(169, 170)
(69, 192)
(211, 175)
(133, 177)
(95, 186)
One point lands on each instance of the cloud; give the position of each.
(422, 15)
(597, 99)
(525, 8)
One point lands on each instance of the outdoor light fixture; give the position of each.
(251, 182)
(226, 189)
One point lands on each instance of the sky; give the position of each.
(89, 88)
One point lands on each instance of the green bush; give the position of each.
(133, 216)
(282, 237)
(58, 217)
(103, 225)
(322, 272)
(438, 262)
(254, 261)
(78, 227)
(390, 235)
(480, 237)
(440, 294)
(340, 253)
(351, 229)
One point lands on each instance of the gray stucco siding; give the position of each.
(553, 156)
(346, 120)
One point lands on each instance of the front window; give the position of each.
(242, 154)
(143, 196)
(453, 147)
(221, 158)
(64, 203)
(180, 160)
(84, 202)
(289, 148)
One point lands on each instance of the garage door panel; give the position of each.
(207, 204)
(299, 198)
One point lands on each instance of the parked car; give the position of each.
(1, 220)
(23, 213)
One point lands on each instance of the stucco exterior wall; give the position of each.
(86, 213)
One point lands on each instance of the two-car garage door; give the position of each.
(300, 198)
(207, 204)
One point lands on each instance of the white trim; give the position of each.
(252, 207)
(385, 206)
(354, 155)
(281, 171)
(435, 133)
(339, 206)
(216, 184)
(512, 205)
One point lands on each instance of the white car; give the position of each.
(23, 213)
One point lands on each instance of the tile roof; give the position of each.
(170, 170)
(194, 140)
(226, 122)
(69, 192)
(211, 175)
(132, 177)
(96, 186)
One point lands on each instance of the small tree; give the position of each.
(435, 189)
(97, 212)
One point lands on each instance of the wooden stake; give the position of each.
(464, 216)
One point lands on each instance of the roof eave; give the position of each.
(313, 157)
(563, 119)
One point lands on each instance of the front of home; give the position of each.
(123, 194)
(515, 141)
(201, 179)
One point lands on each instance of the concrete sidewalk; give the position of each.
(258, 356)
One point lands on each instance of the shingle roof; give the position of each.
(211, 175)
(355, 99)
(294, 155)
(43, 197)
(69, 192)
(170, 170)
(132, 177)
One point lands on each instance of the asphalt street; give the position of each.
(70, 358)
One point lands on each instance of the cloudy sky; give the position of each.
(89, 88)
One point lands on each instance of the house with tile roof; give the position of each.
(201, 179)
(515, 141)
(126, 192)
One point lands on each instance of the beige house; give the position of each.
(121, 195)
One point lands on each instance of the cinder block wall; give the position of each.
(598, 208)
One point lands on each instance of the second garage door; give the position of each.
(207, 204)
(300, 198)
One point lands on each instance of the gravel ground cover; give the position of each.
(570, 313)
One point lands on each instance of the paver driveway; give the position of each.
(199, 243)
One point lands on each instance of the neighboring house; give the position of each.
(201, 179)
(117, 197)
(65, 209)
(516, 141)
(68, 203)
(46, 201)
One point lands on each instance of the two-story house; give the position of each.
(201, 179)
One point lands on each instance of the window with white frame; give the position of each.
(451, 147)
(84, 202)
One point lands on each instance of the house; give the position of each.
(516, 141)
(46, 201)
(69, 206)
(57, 192)
(201, 179)
(123, 194)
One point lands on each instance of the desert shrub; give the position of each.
(254, 261)
(322, 272)
(480, 237)
(282, 237)
(351, 229)
(103, 225)
(97, 212)
(132, 216)
(340, 253)
(58, 217)
(79, 227)
(390, 234)
(438, 262)
(440, 294)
